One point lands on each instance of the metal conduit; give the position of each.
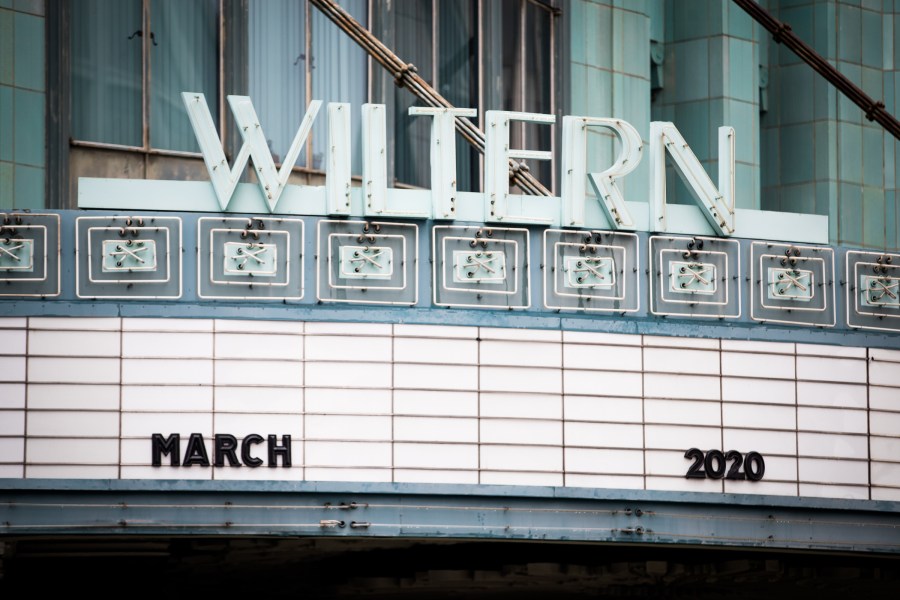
(782, 34)
(405, 75)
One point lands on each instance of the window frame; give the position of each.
(146, 83)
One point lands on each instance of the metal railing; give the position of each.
(405, 75)
(783, 34)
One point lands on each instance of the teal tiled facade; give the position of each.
(800, 145)
(22, 105)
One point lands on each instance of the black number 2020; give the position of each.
(713, 463)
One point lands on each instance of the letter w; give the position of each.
(224, 178)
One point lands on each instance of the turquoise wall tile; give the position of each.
(891, 225)
(826, 204)
(889, 95)
(887, 37)
(6, 3)
(799, 198)
(578, 90)
(577, 26)
(833, 219)
(770, 198)
(6, 185)
(637, 185)
(746, 185)
(872, 82)
(802, 22)
(656, 12)
(826, 37)
(796, 94)
(29, 128)
(691, 70)
(717, 50)
(692, 120)
(635, 44)
(872, 44)
(847, 110)
(786, 3)
(600, 37)
(743, 83)
(744, 117)
(6, 123)
(690, 20)
(7, 37)
(850, 214)
(896, 30)
(825, 148)
(29, 51)
(619, 46)
(29, 187)
(797, 154)
(873, 156)
(740, 24)
(636, 109)
(850, 152)
(599, 93)
(770, 159)
(873, 217)
(32, 6)
(872, 5)
(890, 180)
(600, 148)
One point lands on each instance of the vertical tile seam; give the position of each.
(303, 388)
(721, 407)
(393, 410)
(643, 417)
(478, 399)
(562, 402)
(796, 421)
(869, 420)
(121, 391)
(213, 399)
(25, 377)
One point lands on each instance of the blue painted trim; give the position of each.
(308, 309)
(62, 508)
(445, 489)
(452, 317)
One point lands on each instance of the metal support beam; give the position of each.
(359, 510)
(405, 75)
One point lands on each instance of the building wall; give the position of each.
(81, 398)
(22, 104)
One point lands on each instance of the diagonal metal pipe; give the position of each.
(405, 75)
(782, 34)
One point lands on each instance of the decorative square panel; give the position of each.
(128, 257)
(692, 277)
(792, 284)
(873, 290)
(695, 277)
(367, 262)
(250, 258)
(481, 267)
(29, 254)
(591, 270)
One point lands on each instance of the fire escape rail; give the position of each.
(782, 34)
(405, 75)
